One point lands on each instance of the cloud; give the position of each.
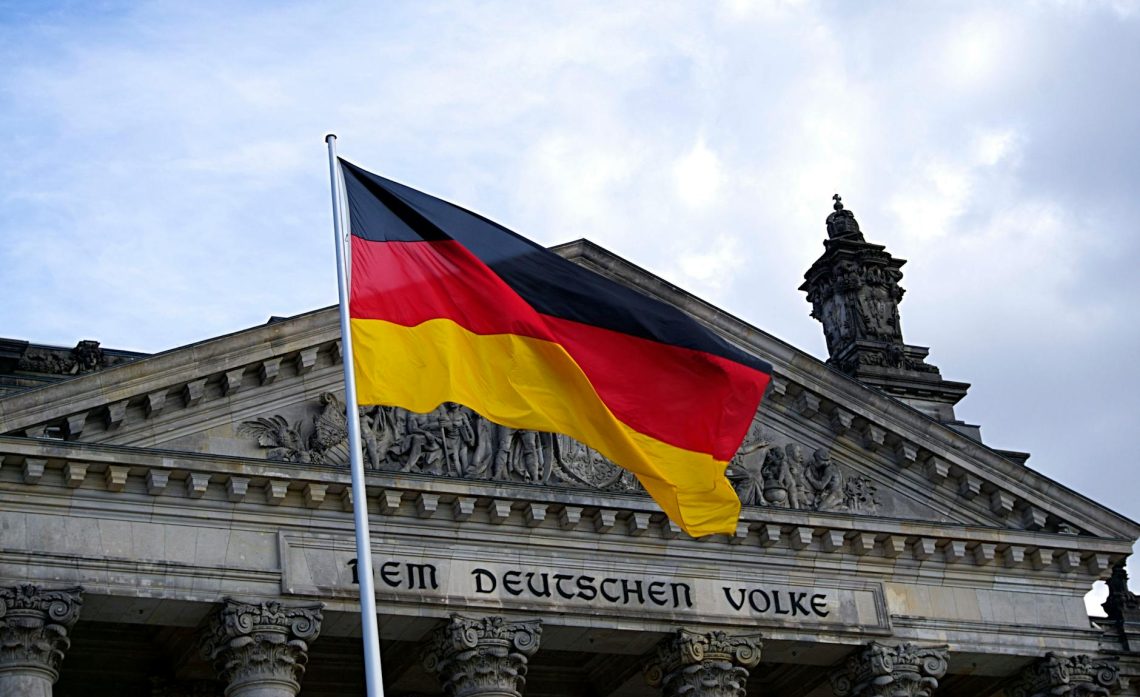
(164, 178)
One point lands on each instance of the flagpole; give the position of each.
(373, 678)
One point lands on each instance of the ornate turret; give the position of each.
(854, 292)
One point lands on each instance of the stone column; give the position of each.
(692, 664)
(1068, 676)
(484, 656)
(261, 650)
(33, 637)
(879, 670)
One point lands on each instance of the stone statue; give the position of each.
(425, 440)
(775, 474)
(826, 479)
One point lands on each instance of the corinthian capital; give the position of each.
(253, 645)
(1070, 676)
(483, 656)
(713, 664)
(34, 623)
(879, 670)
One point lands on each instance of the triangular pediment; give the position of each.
(822, 444)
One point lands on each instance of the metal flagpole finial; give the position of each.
(330, 136)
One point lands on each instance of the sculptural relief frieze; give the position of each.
(783, 475)
(453, 441)
(86, 357)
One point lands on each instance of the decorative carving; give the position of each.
(841, 225)
(86, 357)
(766, 474)
(34, 624)
(1074, 676)
(879, 670)
(482, 656)
(713, 664)
(450, 441)
(265, 643)
(453, 441)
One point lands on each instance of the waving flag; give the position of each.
(449, 306)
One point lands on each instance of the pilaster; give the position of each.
(34, 624)
(714, 664)
(260, 650)
(880, 670)
(1068, 676)
(484, 656)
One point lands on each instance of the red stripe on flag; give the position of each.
(689, 399)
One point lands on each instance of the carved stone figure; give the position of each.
(425, 439)
(826, 479)
(796, 480)
(330, 431)
(86, 357)
(458, 438)
(775, 475)
(282, 439)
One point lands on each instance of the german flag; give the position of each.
(447, 306)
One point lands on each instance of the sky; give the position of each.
(164, 179)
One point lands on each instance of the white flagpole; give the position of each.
(373, 678)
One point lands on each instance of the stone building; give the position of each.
(180, 524)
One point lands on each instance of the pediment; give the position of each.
(821, 444)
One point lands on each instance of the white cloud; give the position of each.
(697, 175)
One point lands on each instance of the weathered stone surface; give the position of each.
(879, 670)
(713, 664)
(1069, 676)
(34, 627)
(482, 656)
(260, 650)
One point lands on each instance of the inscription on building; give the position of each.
(621, 590)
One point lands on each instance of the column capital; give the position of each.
(713, 664)
(34, 624)
(259, 646)
(881, 670)
(1075, 676)
(483, 656)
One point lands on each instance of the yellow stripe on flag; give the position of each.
(530, 383)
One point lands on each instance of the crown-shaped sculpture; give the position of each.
(841, 225)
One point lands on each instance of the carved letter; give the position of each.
(558, 579)
(586, 590)
(544, 592)
(484, 575)
(676, 587)
(735, 605)
(818, 604)
(417, 576)
(512, 583)
(391, 576)
(607, 596)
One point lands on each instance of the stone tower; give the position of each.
(854, 292)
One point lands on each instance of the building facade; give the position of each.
(180, 524)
